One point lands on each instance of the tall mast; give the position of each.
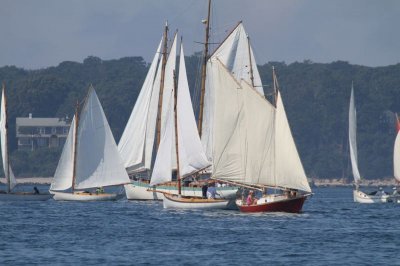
(276, 85)
(178, 176)
(203, 70)
(6, 140)
(75, 139)
(160, 96)
(251, 64)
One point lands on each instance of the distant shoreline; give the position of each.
(318, 182)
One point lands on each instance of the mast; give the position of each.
(178, 176)
(6, 140)
(203, 69)
(276, 86)
(160, 97)
(251, 64)
(75, 139)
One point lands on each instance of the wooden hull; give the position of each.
(24, 196)
(81, 196)
(275, 203)
(142, 191)
(176, 202)
(362, 197)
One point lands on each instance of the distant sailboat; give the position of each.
(358, 195)
(90, 157)
(9, 194)
(190, 156)
(146, 125)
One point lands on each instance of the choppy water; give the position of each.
(332, 230)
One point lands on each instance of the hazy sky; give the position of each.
(43, 33)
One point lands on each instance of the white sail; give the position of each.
(136, 143)
(352, 138)
(9, 175)
(289, 169)
(163, 165)
(234, 54)
(396, 157)
(98, 162)
(253, 143)
(191, 155)
(63, 176)
(167, 92)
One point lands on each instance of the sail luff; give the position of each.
(353, 138)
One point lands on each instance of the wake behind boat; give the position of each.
(11, 181)
(90, 159)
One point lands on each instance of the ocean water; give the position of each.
(332, 230)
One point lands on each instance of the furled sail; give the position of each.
(9, 175)
(64, 173)
(136, 143)
(352, 138)
(98, 162)
(396, 155)
(248, 148)
(237, 55)
(191, 155)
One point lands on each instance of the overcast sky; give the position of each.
(42, 33)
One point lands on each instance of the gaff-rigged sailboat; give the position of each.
(358, 195)
(181, 132)
(11, 181)
(142, 132)
(90, 157)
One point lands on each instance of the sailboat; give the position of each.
(181, 132)
(90, 157)
(358, 195)
(248, 139)
(396, 161)
(142, 133)
(9, 194)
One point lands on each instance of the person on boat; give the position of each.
(251, 200)
(99, 190)
(36, 190)
(204, 189)
(212, 191)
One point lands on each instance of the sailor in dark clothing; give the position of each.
(204, 189)
(36, 190)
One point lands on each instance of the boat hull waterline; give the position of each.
(275, 204)
(176, 202)
(142, 191)
(24, 196)
(362, 197)
(83, 196)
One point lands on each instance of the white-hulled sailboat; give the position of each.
(90, 157)
(396, 161)
(147, 120)
(181, 132)
(11, 181)
(358, 195)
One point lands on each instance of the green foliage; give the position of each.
(316, 98)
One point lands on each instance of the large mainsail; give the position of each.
(64, 173)
(248, 148)
(237, 55)
(98, 162)
(9, 175)
(136, 143)
(352, 138)
(191, 155)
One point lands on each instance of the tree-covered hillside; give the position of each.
(316, 97)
